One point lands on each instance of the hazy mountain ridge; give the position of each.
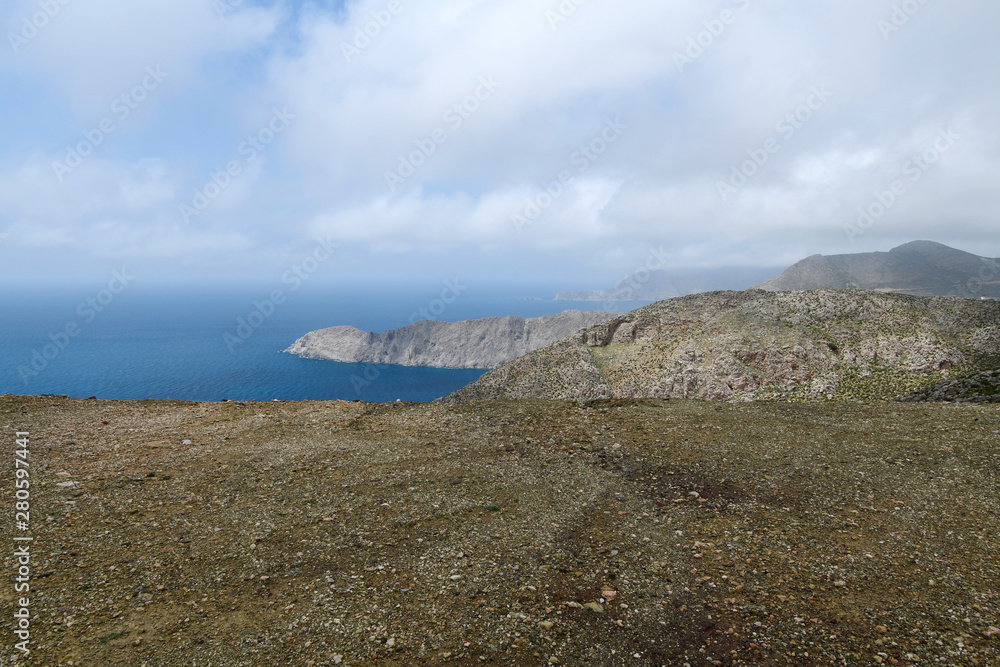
(663, 284)
(758, 345)
(922, 268)
(482, 343)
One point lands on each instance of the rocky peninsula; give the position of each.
(483, 343)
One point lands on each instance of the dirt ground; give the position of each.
(505, 533)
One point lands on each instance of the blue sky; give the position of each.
(549, 141)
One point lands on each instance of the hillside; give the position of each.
(922, 268)
(484, 343)
(759, 345)
(610, 534)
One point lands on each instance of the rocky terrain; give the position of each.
(483, 343)
(602, 533)
(979, 388)
(922, 268)
(756, 344)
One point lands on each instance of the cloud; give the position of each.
(422, 130)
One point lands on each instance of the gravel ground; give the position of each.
(508, 533)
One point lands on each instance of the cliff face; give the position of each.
(759, 345)
(922, 267)
(483, 343)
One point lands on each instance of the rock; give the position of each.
(545, 625)
(594, 607)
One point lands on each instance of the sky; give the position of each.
(549, 141)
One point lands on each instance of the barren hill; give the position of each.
(757, 345)
(921, 267)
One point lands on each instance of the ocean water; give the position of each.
(190, 345)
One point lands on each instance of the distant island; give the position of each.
(483, 343)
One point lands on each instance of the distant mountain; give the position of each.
(760, 345)
(663, 284)
(922, 268)
(484, 343)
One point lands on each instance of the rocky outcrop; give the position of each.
(980, 388)
(922, 268)
(755, 344)
(484, 343)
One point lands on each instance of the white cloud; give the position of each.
(358, 115)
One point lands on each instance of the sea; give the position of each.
(194, 344)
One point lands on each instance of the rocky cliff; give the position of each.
(483, 343)
(760, 345)
(920, 267)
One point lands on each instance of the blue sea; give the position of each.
(193, 344)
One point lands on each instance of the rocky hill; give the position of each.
(484, 343)
(761, 345)
(921, 267)
(611, 534)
